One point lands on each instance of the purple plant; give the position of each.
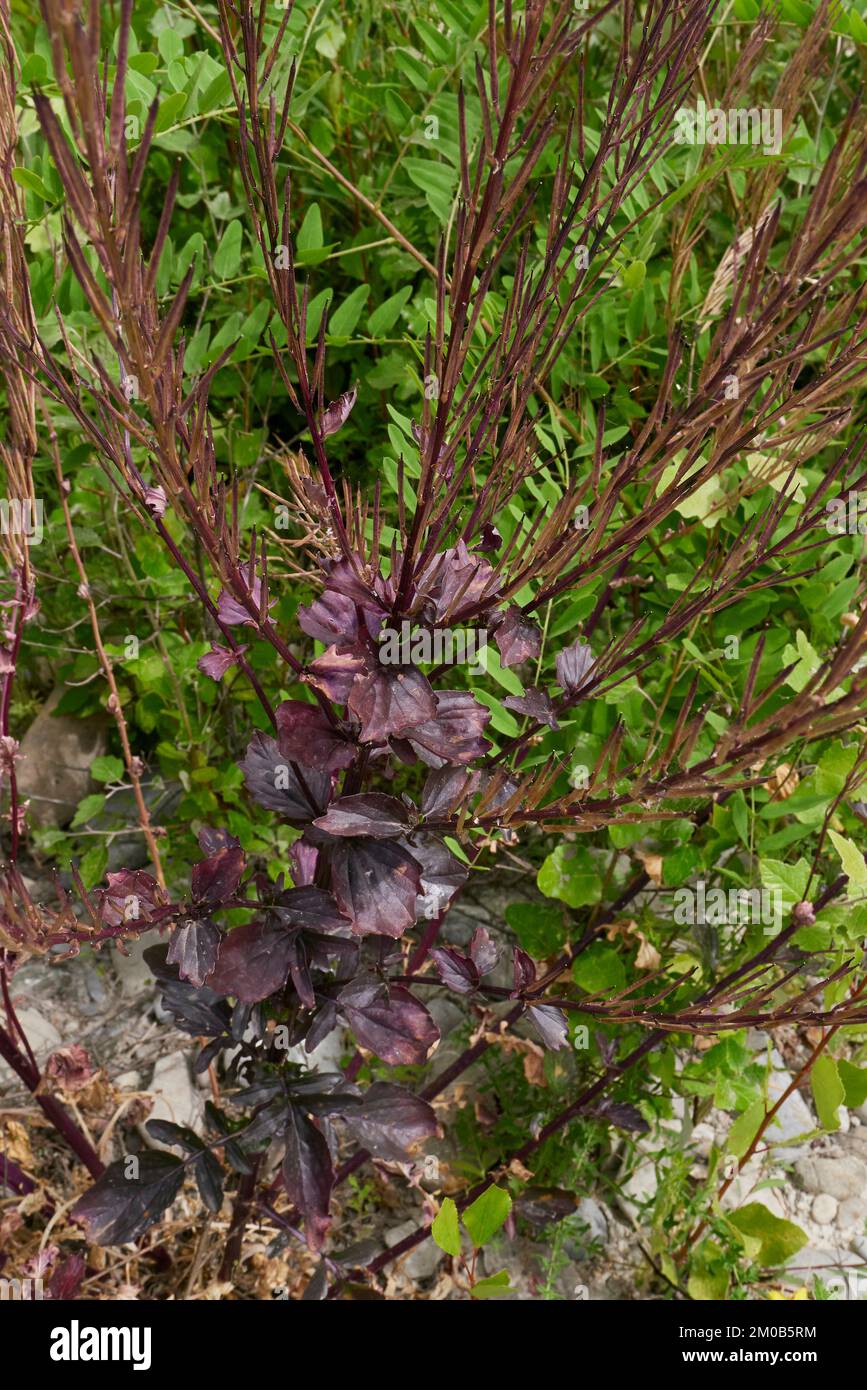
(343, 937)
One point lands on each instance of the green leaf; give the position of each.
(828, 1091)
(385, 316)
(708, 1277)
(570, 875)
(493, 1286)
(851, 858)
(309, 240)
(633, 276)
(343, 321)
(106, 769)
(444, 1228)
(745, 1128)
(790, 879)
(26, 178)
(88, 807)
(776, 1240)
(854, 1081)
(599, 968)
(93, 865)
(486, 1215)
(540, 930)
(227, 256)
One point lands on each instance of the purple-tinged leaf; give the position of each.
(397, 1027)
(336, 671)
(574, 666)
(536, 704)
(118, 1209)
(210, 840)
(442, 874)
(335, 415)
(454, 734)
(253, 962)
(390, 1121)
(456, 971)
(447, 788)
(299, 970)
(194, 948)
(155, 500)
(490, 540)
(311, 908)
(455, 580)
(330, 618)
(308, 1175)
(525, 970)
(233, 613)
(483, 952)
(550, 1023)
(131, 896)
(216, 878)
(271, 781)
(343, 578)
(306, 735)
(304, 857)
(376, 884)
(518, 638)
(391, 700)
(67, 1279)
(219, 660)
(622, 1115)
(373, 813)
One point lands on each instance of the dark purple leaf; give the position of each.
(219, 660)
(550, 1023)
(253, 962)
(623, 1116)
(390, 701)
(233, 613)
(118, 1209)
(536, 704)
(131, 896)
(456, 580)
(344, 578)
(456, 971)
(336, 671)
(517, 638)
(454, 734)
(308, 1175)
(216, 878)
(525, 970)
(442, 874)
(299, 970)
(66, 1280)
(574, 666)
(209, 1179)
(447, 788)
(396, 1027)
(483, 952)
(304, 857)
(306, 735)
(271, 781)
(376, 884)
(390, 1121)
(382, 817)
(194, 948)
(211, 840)
(312, 908)
(330, 618)
(335, 415)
